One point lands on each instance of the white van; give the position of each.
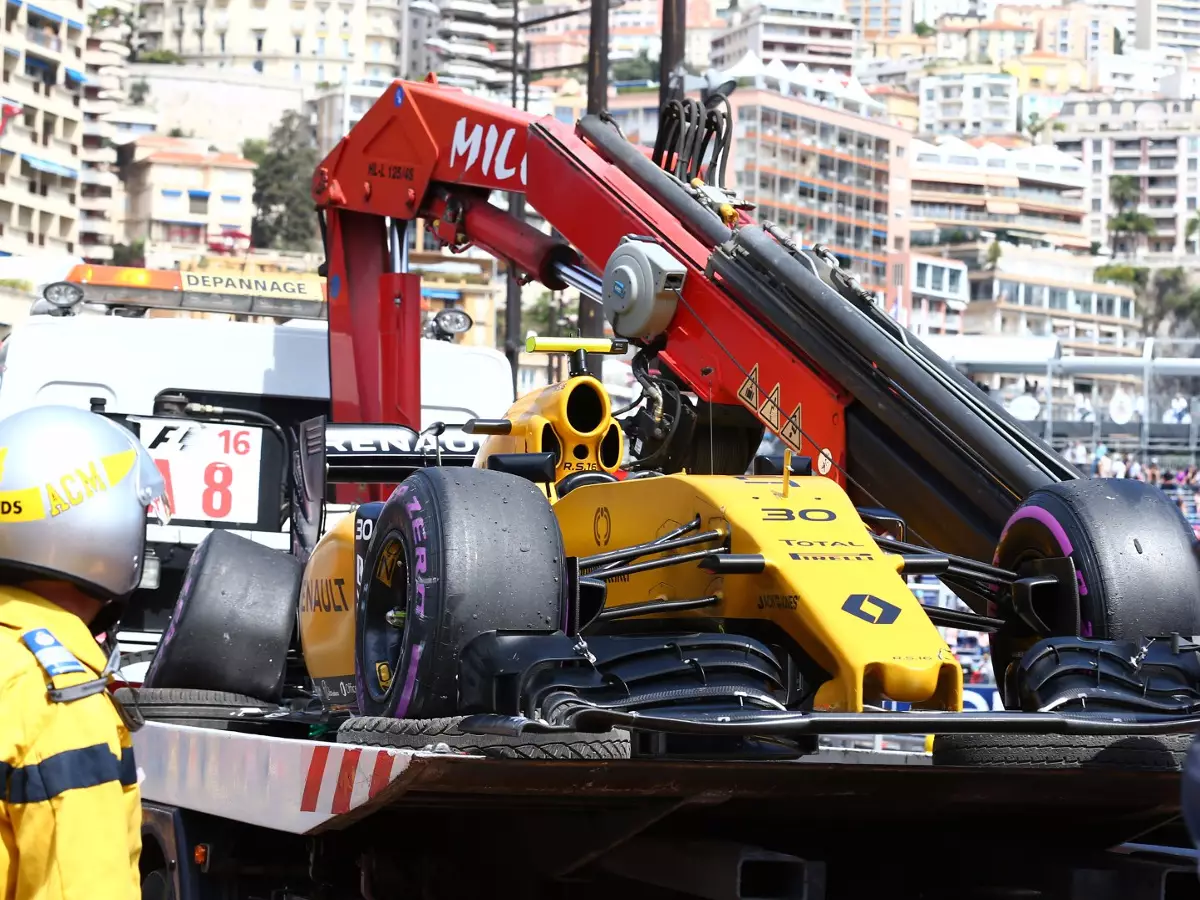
(140, 368)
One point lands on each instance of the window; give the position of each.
(1126, 308)
(898, 243)
(1097, 146)
(258, 42)
(320, 46)
(198, 204)
(222, 41)
(1097, 204)
(175, 233)
(939, 277)
(1058, 298)
(1097, 165)
(1009, 291)
(345, 47)
(297, 46)
(258, 66)
(954, 281)
(977, 93)
(922, 274)
(1192, 164)
(321, 72)
(1191, 203)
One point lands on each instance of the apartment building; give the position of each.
(881, 18)
(964, 194)
(902, 46)
(1045, 70)
(101, 199)
(826, 169)
(473, 44)
(966, 101)
(1076, 31)
(1132, 73)
(814, 33)
(1153, 141)
(1168, 23)
(338, 108)
(827, 176)
(901, 108)
(940, 291)
(182, 197)
(972, 39)
(1031, 293)
(305, 41)
(41, 74)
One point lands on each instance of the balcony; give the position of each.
(100, 226)
(99, 178)
(44, 41)
(96, 203)
(100, 128)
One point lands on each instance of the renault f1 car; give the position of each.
(592, 573)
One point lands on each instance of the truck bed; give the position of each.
(308, 786)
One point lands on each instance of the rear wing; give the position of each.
(276, 294)
(327, 454)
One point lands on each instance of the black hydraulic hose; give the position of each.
(960, 422)
(702, 223)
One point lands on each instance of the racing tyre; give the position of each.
(1134, 553)
(233, 622)
(204, 709)
(1145, 753)
(427, 734)
(456, 553)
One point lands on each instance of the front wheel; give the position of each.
(456, 553)
(1134, 554)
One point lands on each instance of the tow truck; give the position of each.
(518, 673)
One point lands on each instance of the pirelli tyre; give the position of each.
(203, 709)
(435, 734)
(1134, 554)
(233, 623)
(1143, 753)
(456, 552)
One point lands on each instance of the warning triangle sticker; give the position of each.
(789, 430)
(748, 392)
(770, 409)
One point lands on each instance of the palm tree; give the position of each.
(1193, 232)
(1125, 192)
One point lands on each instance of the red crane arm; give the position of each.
(430, 151)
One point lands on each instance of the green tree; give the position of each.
(131, 254)
(640, 68)
(254, 150)
(162, 57)
(138, 92)
(994, 252)
(1193, 232)
(284, 218)
(1165, 298)
(924, 30)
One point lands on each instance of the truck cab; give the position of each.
(128, 345)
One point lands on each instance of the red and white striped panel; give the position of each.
(341, 778)
(281, 783)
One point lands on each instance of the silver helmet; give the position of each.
(75, 490)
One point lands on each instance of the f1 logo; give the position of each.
(871, 609)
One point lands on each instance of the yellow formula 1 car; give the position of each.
(529, 597)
